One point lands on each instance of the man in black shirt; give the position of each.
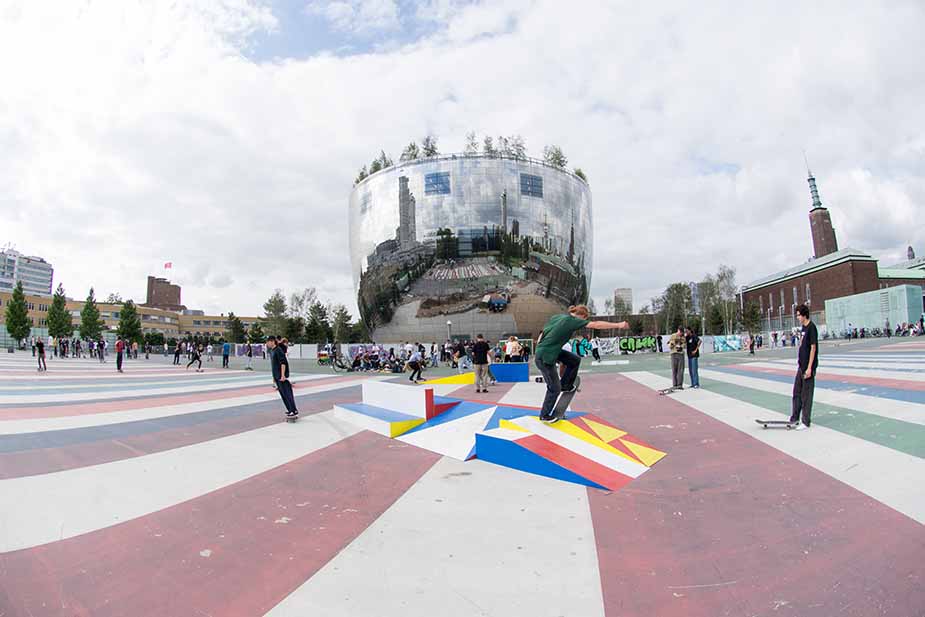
(480, 363)
(805, 382)
(693, 356)
(279, 365)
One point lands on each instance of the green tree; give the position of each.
(362, 175)
(488, 147)
(275, 313)
(751, 318)
(385, 161)
(410, 153)
(318, 327)
(554, 156)
(155, 339)
(359, 332)
(255, 334)
(129, 323)
(715, 322)
(59, 319)
(17, 319)
(114, 298)
(91, 326)
(235, 333)
(294, 329)
(375, 166)
(472, 143)
(429, 146)
(581, 174)
(341, 325)
(726, 290)
(517, 147)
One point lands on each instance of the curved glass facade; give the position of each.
(491, 245)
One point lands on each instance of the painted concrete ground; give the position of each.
(163, 492)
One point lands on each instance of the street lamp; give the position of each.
(449, 328)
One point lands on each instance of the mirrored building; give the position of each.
(455, 245)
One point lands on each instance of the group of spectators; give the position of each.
(684, 342)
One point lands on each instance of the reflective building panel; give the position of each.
(490, 245)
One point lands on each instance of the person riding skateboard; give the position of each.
(557, 331)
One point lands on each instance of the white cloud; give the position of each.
(357, 16)
(136, 133)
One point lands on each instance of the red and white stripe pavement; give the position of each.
(246, 515)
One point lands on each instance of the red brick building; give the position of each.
(163, 295)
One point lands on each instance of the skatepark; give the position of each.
(165, 492)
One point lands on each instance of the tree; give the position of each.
(518, 147)
(620, 310)
(715, 321)
(91, 326)
(235, 333)
(375, 166)
(362, 175)
(129, 323)
(301, 301)
(591, 306)
(17, 319)
(318, 328)
(608, 306)
(429, 146)
(410, 152)
(114, 298)
(274, 310)
(59, 319)
(726, 288)
(472, 143)
(554, 156)
(503, 146)
(677, 305)
(384, 160)
(751, 318)
(341, 324)
(488, 147)
(294, 330)
(358, 332)
(255, 334)
(581, 174)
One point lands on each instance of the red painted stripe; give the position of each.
(726, 525)
(79, 409)
(586, 468)
(153, 566)
(48, 460)
(429, 411)
(900, 384)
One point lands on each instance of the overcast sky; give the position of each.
(224, 136)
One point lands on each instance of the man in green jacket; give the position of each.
(557, 331)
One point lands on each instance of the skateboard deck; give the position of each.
(777, 424)
(669, 390)
(565, 399)
(292, 418)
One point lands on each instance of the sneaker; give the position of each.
(553, 419)
(801, 427)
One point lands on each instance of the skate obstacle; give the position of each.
(583, 448)
(508, 372)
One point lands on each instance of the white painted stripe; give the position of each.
(74, 397)
(824, 371)
(580, 447)
(38, 425)
(891, 477)
(454, 536)
(454, 439)
(834, 362)
(36, 510)
(887, 408)
(230, 381)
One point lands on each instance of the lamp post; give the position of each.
(449, 330)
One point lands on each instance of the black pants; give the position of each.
(596, 354)
(551, 377)
(224, 361)
(285, 392)
(176, 359)
(415, 370)
(119, 361)
(802, 398)
(195, 359)
(42, 365)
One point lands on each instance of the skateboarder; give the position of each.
(279, 365)
(557, 331)
(805, 382)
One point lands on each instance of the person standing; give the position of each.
(226, 351)
(557, 331)
(480, 361)
(101, 349)
(693, 356)
(209, 351)
(596, 348)
(658, 341)
(33, 346)
(279, 367)
(177, 350)
(805, 382)
(676, 346)
(120, 349)
(40, 349)
(249, 353)
(414, 361)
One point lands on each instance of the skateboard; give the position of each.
(294, 418)
(777, 424)
(669, 390)
(565, 399)
(539, 380)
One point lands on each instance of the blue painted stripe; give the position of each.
(896, 394)
(508, 454)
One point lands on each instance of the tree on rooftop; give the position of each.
(472, 143)
(410, 152)
(429, 146)
(554, 156)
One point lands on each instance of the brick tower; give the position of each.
(820, 223)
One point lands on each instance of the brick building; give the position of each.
(163, 295)
(830, 274)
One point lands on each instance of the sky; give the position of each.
(224, 136)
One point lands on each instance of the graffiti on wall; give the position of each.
(614, 346)
(727, 343)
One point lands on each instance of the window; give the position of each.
(770, 301)
(781, 300)
(761, 304)
(531, 186)
(795, 299)
(196, 322)
(807, 294)
(437, 183)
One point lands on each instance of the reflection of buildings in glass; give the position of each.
(457, 256)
